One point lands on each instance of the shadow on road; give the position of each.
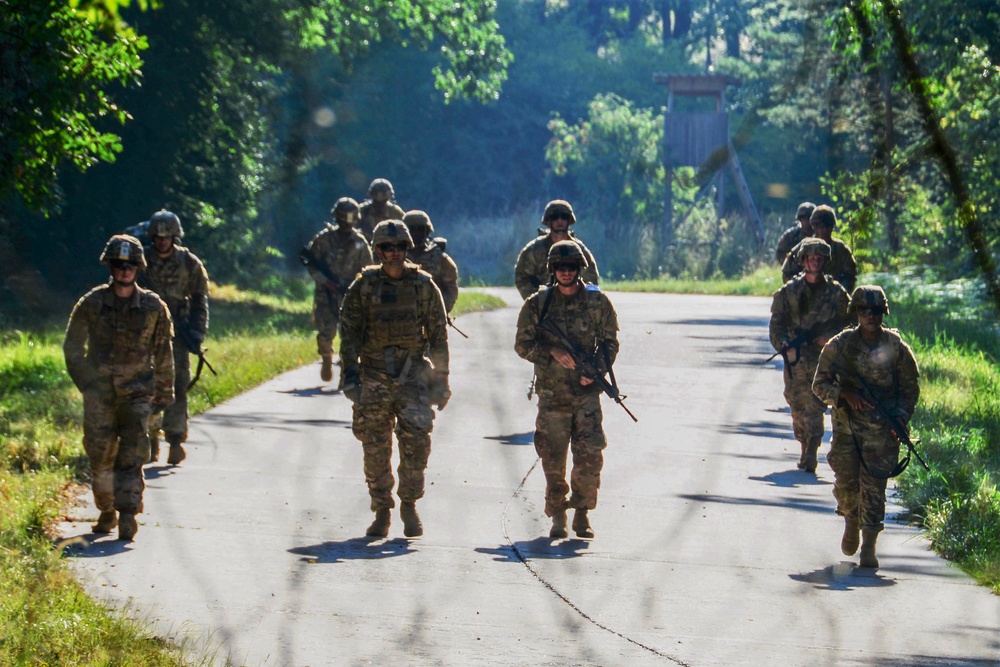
(791, 479)
(309, 392)
(792, 503)
(356, 548)
(91, 545)
(760, 429)
(539, 548)
(513, 439)
(843, 576)
(158, 472)
(266, 420)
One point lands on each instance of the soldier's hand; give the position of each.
(586, 381)
(439, 391)
(563, 358)
(351, 380)
(197, 338)
(855, 400)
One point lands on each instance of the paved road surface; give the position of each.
(711, 547)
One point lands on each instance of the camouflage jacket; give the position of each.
(122, 345)
(435, 261)
(788, 240)
(370, 216)
(387, 325)
(887, 366)
(182, 282)
(841, 266)
(587, 318)
(798, 307)
(343, 256)
(532, 268)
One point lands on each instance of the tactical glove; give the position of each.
(351, 382)
(438, 392)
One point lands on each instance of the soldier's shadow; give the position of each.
(540, 548)
(791, 479)
(310, 391)
(91, 545)
(844, 576)
(355, 548)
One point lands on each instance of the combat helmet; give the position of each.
(346, 210)
(391, 231)
(805, 210)
(868, 296)
(381, 190)
(824, 215)
(558, 206)
(124, 247)
(418, 218)
(165, 223)
(812, 246)
(566, 251)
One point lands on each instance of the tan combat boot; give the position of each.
(106, 522)
(154, 449)
(177, 453)
(868, 538)
(127, 527)
(326, 372)
(809, 458)
(380, 526)
(849, 543)
(558, 530)
(411, 520)
(581, 524)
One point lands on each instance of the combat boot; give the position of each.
(106, 522)
(411, 520)
(177, 453)
(581, 524)
(809, 460)
(849, 543)
(127, 527)
(154, 449)
(558, 530)
(868, 537)
(326, 371)
(380, 526)
(802, 456)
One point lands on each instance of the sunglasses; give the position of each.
(566, 267)
(122, 264)
(398, 247)
(869, 312)
(559, 216)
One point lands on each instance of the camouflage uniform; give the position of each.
(569, 414)
(889, 368)
(182, 282)
(372, 214)
(531, 270)
(344, 257)
(842, 266)
(791, 236)
(435, 261)
(392, 333)
(118, 353)
(796, 308)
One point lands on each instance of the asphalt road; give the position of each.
(711, 548)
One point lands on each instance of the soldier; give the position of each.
(118, 353)
(531, 270)
(842, 267)
(394, 355)
(864, 450)
(431, 257)
(335, 256)
(379, 206)
(796, 233)
(569, 404)
(180, 279)
(805, 313)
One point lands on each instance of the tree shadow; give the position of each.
(791, 479)
(355, 548)
(308, 392)
(803, 504)
(91, 545)
(760, 429)
(540, 548)
(272, 421)
(844, 576)
(527, 438)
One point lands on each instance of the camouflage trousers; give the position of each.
(807, 409)
(174, 420)
(576, 428)
(859, 494)
(387, 405)
(117, 445)
(326, 316)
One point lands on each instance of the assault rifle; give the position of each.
(588, 365)
(184, 332)
(451, 323)
(807, 336)
(307, 257)
(895, 426)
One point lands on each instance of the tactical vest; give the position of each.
(394, 333)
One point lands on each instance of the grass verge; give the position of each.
(761, 282)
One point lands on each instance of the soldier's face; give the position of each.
(419, 234)
(164, 245)
(123, 273)
(870, 319)
(566, 273)
(558, 221)
(823, 231)
(814, 263)
(392, 254)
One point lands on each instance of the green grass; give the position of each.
(762, 282)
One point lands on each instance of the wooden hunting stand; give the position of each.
(702, 140)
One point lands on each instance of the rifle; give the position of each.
(183, 332)
(451, 323)
(588, 366)
(307, 257)
(807, 336)
(895, 426)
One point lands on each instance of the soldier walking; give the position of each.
(394, 355)
(180, 279)
(842, 266)
(805, 313)
(866, 363)
(379, 206)
(531, 270)
(431, 257)
(118, 353)
(800, 230)
(333, 258)
(569, 403)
